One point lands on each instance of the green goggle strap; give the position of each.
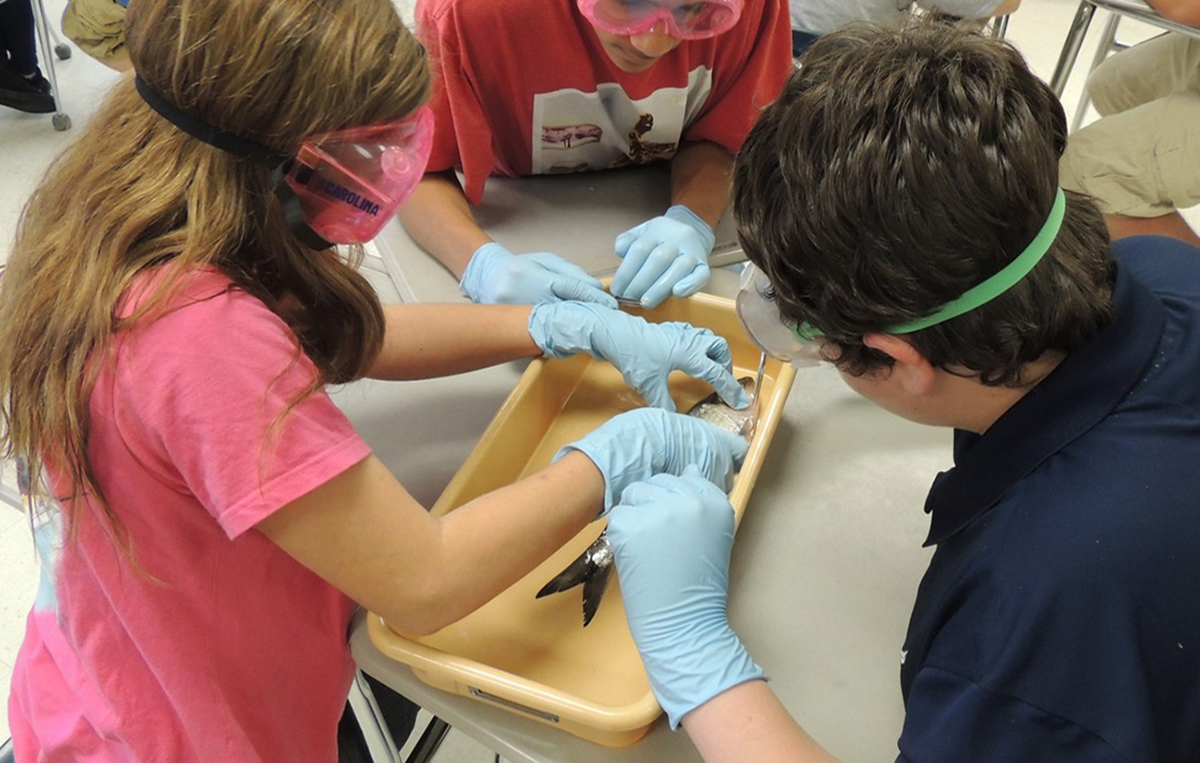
(1009, 276)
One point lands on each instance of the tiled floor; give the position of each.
(28, 144)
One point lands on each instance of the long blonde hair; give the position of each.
(134, 192)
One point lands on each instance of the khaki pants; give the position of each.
(1142, 157)
(98, 28)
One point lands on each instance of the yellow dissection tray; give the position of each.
(533, 656)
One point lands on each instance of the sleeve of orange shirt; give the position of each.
(1179, 11)
(462, 138)
(748, 73)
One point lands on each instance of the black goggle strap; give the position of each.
(279, 163)
(293, 215)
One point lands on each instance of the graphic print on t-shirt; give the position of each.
(575, 131)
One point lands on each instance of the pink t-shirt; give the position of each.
(223, 648)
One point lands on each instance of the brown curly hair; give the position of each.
(898, 169)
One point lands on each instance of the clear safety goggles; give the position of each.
(767, 328)
(681, 19)
(350, 182)
(801, 345)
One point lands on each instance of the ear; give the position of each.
(911, 369)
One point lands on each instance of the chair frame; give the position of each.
(377, 735)
(47, 51)
(1108, 41)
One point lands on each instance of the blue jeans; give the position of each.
(16, 35)
(801, 41)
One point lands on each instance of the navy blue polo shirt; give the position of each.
(1059, 619)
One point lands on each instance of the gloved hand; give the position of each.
(632, 446)
(645, 353)
(497, 276)
(664, 256)
(671, 537)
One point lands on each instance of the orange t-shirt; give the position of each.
(524, 87)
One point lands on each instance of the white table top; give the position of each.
(826, 562)
(574, 216)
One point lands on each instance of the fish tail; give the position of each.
(576, 572)
(593, 592)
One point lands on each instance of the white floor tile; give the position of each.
(10, 512)
(405, 8)
(5, 680)
(10, 517)
(18, 585)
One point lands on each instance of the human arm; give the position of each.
(672, 538)
(750, 64)
(217, 398)
(429, 340)
(668, 254)
(748, 722)
(424, 341)
(700, 179)
(439, 219)
(438, 214)
(364, 534)
(1179, 11)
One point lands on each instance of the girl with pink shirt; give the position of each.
(207, 520)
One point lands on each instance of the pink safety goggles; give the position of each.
(682, 19)
(349, 183)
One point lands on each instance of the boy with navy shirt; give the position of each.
(901, 199)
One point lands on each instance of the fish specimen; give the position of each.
(594, 566)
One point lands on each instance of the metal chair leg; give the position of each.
(1000, 27)
(61, 49)
(60, 120)
(370, 719)
(1106, 47)
(429, 742)
(1070, 51)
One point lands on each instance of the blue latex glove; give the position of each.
(645, 353)
(496, 276)
(635, 445)
(664, 256)
(671, 537)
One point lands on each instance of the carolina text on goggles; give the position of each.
(341, 187)
(695, 20)
(800, 345)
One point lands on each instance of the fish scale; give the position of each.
(593, 567)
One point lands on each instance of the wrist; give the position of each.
(588, 481)
(714, 662)
(682, 214)
(543, 318)
(584, 448)
(563, 329)
(476, 274)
